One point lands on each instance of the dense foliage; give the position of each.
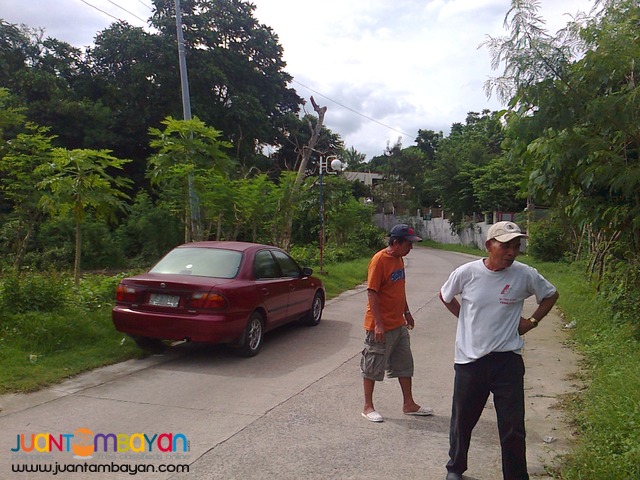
(574, 101)
(573, 121)
(89, 141)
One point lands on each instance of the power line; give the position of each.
(130, 13)
(352, 110)
(100, 10)
(113, 16)
(141, 2)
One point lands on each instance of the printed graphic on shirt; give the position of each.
(504, 299)
(397, 275)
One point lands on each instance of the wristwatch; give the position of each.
(534, 321)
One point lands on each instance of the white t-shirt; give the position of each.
(491, 306)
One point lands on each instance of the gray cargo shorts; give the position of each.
(393, 355)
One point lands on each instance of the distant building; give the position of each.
(368, 178)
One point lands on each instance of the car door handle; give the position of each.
(266, 291)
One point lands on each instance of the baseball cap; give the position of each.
(505, 231)
(404, 231)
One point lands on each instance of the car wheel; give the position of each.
(253, 335)
(149, 344)
(313, 316)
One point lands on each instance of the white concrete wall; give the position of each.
(439, 230)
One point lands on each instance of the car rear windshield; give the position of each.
(201, 262)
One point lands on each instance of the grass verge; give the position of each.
(42, 348)
(340, 277)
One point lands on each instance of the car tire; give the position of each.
(149, 344)
(313, 316)
(253, 336)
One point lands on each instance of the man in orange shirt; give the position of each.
(387, 323)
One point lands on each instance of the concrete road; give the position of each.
(292, 412)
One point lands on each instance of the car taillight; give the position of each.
(207, 300)
(125, 294)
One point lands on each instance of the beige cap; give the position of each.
(505, 231)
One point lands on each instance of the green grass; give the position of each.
(606, 414)
(51, 331)
(452, 247)
(343, 276)
(42, 348)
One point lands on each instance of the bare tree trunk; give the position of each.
(22, 248)
(307, 149)
(76, 263)
(285, 239)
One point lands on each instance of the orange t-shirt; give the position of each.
(386, 277)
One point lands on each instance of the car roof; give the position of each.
(227, 245)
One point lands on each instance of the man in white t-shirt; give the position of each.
(488, 350)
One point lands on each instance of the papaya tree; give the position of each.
(187, 151)
(80, 182)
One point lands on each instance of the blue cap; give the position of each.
(404, 231)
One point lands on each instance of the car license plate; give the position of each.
(164, 300)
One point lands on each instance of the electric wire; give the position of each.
(352, 110)
(100, 10)
(142, 3)
(130, 13)
(113, 16)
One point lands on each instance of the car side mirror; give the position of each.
(307, 272)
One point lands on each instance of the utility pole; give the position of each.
(184, 80)
(193, 232)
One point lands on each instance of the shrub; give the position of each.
(149, 231)
(46, 292)
(620, 287)
(96, 291)
(547, 240)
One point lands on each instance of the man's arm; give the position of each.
(453, 306)
(543, 309)
(374, 303)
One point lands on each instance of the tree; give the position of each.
(254, 207)
(354, 160)
(582, 139)
(292, 192)
(188, 150)
(237, 79)
(428, 141)
(135, 76)
(297, 134)
(108, 96)
(217, 196)
(21, 171)
(79, 181)
(53, 81)
(460, 159)
(500, 186)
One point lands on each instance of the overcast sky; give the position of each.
(383, 68)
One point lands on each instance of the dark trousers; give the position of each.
(501, 373)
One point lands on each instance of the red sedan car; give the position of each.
(218, 292)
